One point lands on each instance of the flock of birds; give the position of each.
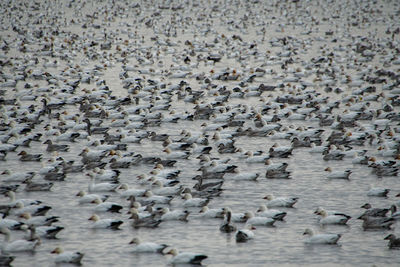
(65, 115)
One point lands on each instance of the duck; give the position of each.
(258, 221)
(394, 242)
(194, 202)
(106, 206)
(326, 218)
(331, 239)
(147, 247)
(67, 256)
(206, 212)
(104, 223)
(338, 174)
(287, 202)
(20, 245)
(88, 198)
(186, 257)
(263, 211)
(227, 226)
(245, 234)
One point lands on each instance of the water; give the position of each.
(282, 245)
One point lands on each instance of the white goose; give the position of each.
(243, 235)
(127, 192)
(104, 223)
(176, 154)
(106, 206)
(332, 218)
(185, 257)
(243, 176)
(212, 213)
(88, 198)
(167, 215)
(263, 211)
(166, 191)
(321, 238)
(101, 187)
(337, 174)
(261, 221)
(147, 247)
(287, 202)
(16, 245)
(194, 202)
(39, 220)
(67, 256)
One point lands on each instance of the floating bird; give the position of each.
(331, 239)
(147, 247)
(67, 256)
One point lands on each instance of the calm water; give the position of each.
(282, 245)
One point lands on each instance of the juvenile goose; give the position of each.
(55, 147)
(186, 257)
(67, 256)
(376, 223)
(32, 186)
(104, 223)
(287, 202)
(147, 247)
(227, 226)
(321, 238)
(394, 242)
(374, 212)
(24, 156)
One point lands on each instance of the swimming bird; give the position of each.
(167, 215)
(104, 223)
(67, 256)
(88, 198)
(106, 206)
(394, 242)
(337, 174)
(186, 257)
(245, 234)
(227, 226)
(212, 213)
(194, 202)
(374, 212)
(38, 220)
(287, 202)
(263, 211)
(258, 221)
(147, 247)
(331, 239)
(16, 245)
(376, 223)
(332, 218)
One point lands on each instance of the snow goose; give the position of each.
(101, 187)
(10, 224)
(321, 238)
(395, 214)
(17, 177)
(263, 211)
(194, 202)
(377, 192)
(48, 232)
(332, 218)
(24, 201)
(88, 198)
(104, 223)
(394, 242)
(376, 223)
(149, 197)
(34, 210)
(106, 206)
(287, 202)
(337, 174)
(38, 220)
(227, 226)
(186, 257)
(106, 175)
(212, 213)
(16, 245)
(179, 215)
(147, 247)
(166, 191)
(243, 176)
(243, 235)
(251, 158)
(128, 192)
(67, 256)
(261, 221)
(176, 154)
